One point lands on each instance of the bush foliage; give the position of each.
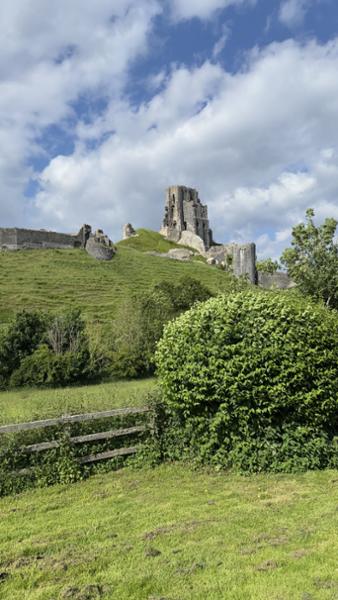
(251, 381)
(44, 350)
(38, 349)
(21, 339)
(267, 266)
(140, 322)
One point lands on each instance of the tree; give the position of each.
(67, 333)
(185, 293)
(267, 266)
(312, 261)
(139, 323)
(38, 349)
(23, 336)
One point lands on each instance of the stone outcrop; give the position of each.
(193, 241)
(182, 254)
(99, 246)
(128, 231)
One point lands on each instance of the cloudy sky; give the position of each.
(105, 103)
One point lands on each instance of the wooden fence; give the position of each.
(80, 439)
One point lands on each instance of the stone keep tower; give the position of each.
(185, 212)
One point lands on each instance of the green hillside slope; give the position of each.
(148, 241)
(55, 280)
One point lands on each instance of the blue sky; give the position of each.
(104, 104)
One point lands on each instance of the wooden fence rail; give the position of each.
(15, 427)
(91, 437)
(80, 439)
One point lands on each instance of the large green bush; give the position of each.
(251, 380)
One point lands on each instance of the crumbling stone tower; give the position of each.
(185, 212)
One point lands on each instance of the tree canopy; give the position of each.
(312, 260)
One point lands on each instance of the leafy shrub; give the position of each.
(140, 322)
(251, 381)
(267, 266)
(67, 333)
(44, 367)
(127, 362)
(138, 326)
(185, 293)
(155, 310)
(42, 350)
(23, 336)
(100, 357)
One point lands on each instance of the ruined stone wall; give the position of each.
(16, 238)
(27, 238)
(185, 212)
(190, 215)
(278, 280)
(240, 259)
(8, 238)
(244, 260)
(173, 215)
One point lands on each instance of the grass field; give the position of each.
(168, 533)
(54, 280)
(29, 404)
(173, 534)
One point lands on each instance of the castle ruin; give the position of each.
(16, 238)
(184, 212)
(186, 222)
(97, 244)
(240, 259)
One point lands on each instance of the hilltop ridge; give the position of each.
(54, 280)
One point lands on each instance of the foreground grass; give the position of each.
(173, 534)
(56, 280)
(29, 404)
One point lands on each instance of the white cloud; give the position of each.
(260, 145)
(221, 42)
(202, 9)
(284, 202)
(51, 55)
(292, 12)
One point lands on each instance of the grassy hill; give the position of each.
(150, 241)
(55, 280)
